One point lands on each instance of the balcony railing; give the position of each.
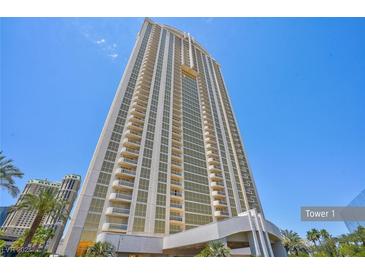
(114, 226)
(217, 185)
(126, 171)
(123, 183)
(221, 213)
(130, 161)
(176, 218)
(128, 150)
(176, 205)
(120, 196)
(120, 210)
(219, 203)
(174, 182)
(117, 211)
(218, 193)
(174, 173)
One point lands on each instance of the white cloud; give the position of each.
(101, 41)
(113, 55)
(109, 48)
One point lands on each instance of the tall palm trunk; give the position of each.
(37, 221)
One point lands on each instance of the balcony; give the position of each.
(127, 163)
(125, 173)
(216, 177)
(176, 157)
(141, 97)
(134, 144)
(142, 91)
(217, 185)
(211, 147)
(210, 140)
(176, 219)
(129, 152)
(214, 169)
(133, 134)
(219, 203)
(176, 149)
(176, 207)
(176, 185)
(176, 128)
(176, 175)
(134, 126)
(117, 212)
(120, 197)
(138, 106)
(176, 167)
(221, 214)
(176, 195)
(176, 135)
(212, 154)
(138, 112)
(136, 119)
(218, 194)
(207, 127)
(123, 184)
(213, 161)
(112, 227)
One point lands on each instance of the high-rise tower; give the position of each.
(170, 158)
(18, 221)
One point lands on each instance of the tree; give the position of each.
(2, 243)
(294, 244)
(313, 235)
(42, 235)
(18, 244)
(42, 204)
(324, 234)
(59, 216)
(359, 235)
(7, 173)
(215, 249)
(100, 249)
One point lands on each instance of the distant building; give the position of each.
(359, 201)
(3, 213)
(18, 221)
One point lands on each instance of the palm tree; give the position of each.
(215, 249)
(293, 244)
(2, 243)
(59, 216)
(42, 204)
(100, 249)
(7, 173)
(313, 235)
(324, 234)
(359, 235)
(42, 235)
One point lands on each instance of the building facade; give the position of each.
(3, 213)
(358, 201)
(170, 158)
(18, 221)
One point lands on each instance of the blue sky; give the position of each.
(297, 87)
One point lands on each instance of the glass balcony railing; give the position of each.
(122, 196)
(124, 183)
(174, 182)
(173, 205)
(176, 218)
(118, 226)
(119, 210)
